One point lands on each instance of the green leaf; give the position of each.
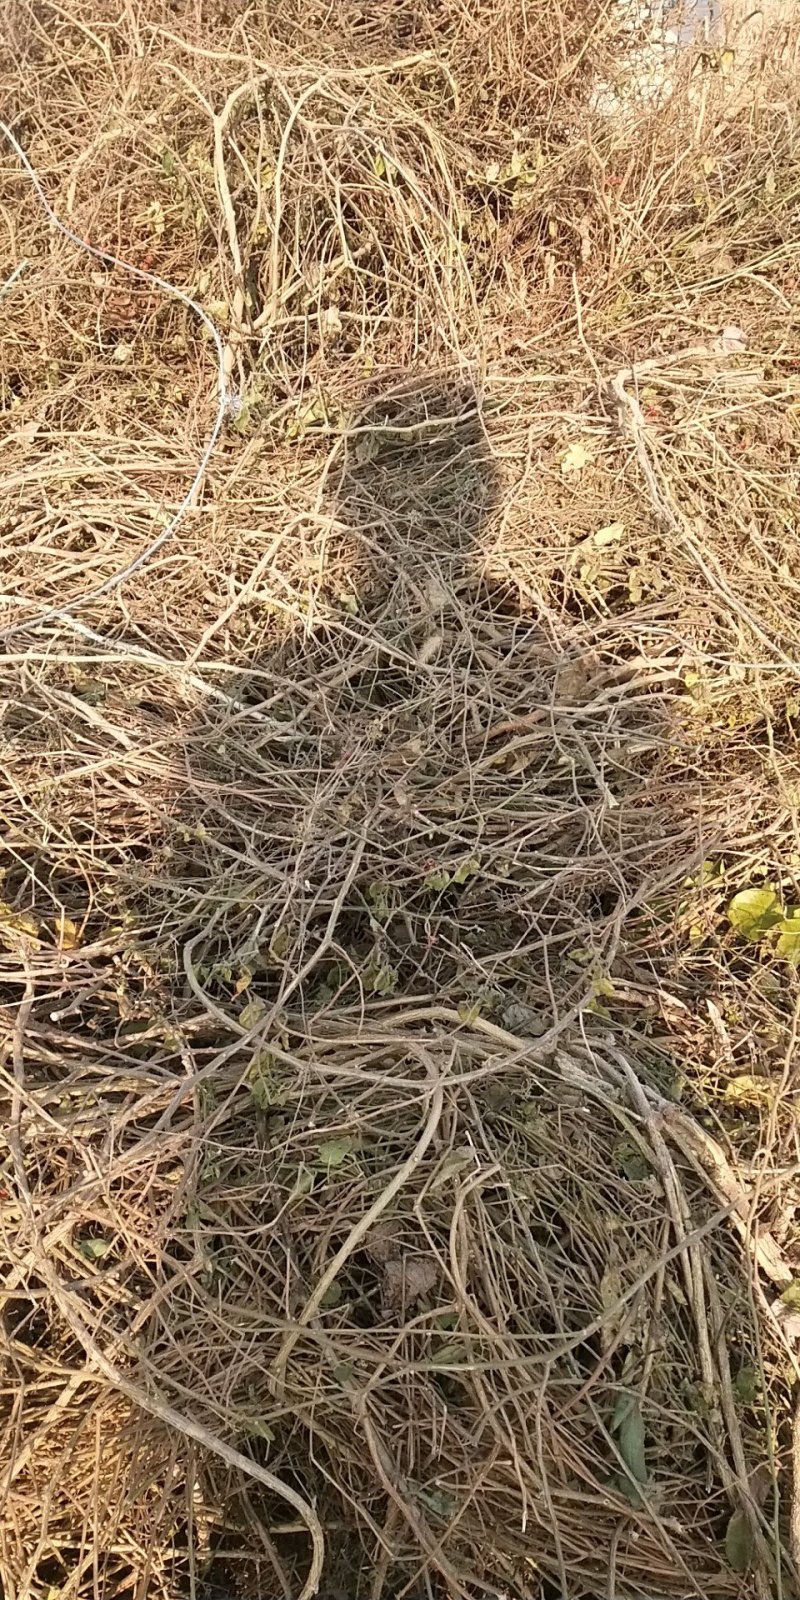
(303, 1184)
(631, 1438)
(259, 1430)
(334, 1152)
(791, 1295)
(93, 1249)
(380, 900)
(167, 162)
(447, 1321)
(380, 977)
(747, 1385)
(631, 1443)
(753, 912)
(449, 1355)
(440, 1504)
(261, 1082)
(452, 1167)
(209, 1172)
(739, 1542)
(437, 880)
(629, 1159)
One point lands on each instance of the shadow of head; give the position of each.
(406, 493)
(417, 482)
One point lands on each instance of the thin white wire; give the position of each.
(224, 399)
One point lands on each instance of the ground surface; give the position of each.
(400, 860)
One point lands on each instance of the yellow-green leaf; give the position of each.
(466, 870)
(753, 912)
(15, 923)
(746, 1090)
(788, 944)
(67, 932)
(574, 459)
(383, 167)
(610, 534)
(611, 1286)
(278, 946)
(252, 1013)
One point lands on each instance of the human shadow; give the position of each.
(443, 786)
(419, 791)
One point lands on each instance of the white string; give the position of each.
(224, 402)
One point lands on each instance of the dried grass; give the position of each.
(354, 919)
